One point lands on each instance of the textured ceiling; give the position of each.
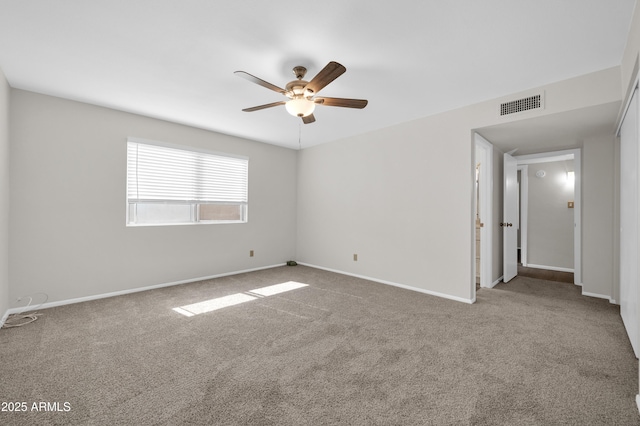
(175, 60)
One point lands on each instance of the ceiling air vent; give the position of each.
(520, 105)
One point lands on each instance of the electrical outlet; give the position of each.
(250, 253)
(355, 257)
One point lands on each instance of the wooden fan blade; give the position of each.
(260, 81)
(308, 119)
(329, 73)
(342, 102)
(259, 107)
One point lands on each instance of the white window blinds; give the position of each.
(162, 174)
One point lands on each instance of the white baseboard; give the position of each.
(406, 287)
(599, 296)
(638, 402)
(549, 268)
(129, 291)
(4, 318)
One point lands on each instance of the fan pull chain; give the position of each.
(299, 136)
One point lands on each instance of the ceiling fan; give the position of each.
(302, 94)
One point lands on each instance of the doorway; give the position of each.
(560, 185)
(484, 192)
(550, 212)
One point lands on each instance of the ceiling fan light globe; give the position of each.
(300, 107)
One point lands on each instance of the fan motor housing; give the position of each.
(296, 88)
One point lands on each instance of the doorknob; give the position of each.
(506, 224)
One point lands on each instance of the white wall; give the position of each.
(4, 195)
(68, 236)
(629, 69)
(401, 197)
(598, 175)
(550, 221)
(629, 65)
(387, 196)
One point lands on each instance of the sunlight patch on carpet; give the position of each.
(277, 288)
(215, 304)
(236, 299)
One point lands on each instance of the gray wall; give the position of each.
(550, 222)
(4, 195)
(67, 205)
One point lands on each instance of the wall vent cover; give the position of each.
(520, 105)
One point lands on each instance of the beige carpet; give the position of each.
(341, 351)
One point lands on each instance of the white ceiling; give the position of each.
(175, 60)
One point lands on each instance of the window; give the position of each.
(168, 185)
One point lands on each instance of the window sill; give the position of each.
(208, 222)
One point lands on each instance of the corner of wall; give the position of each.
(629, 63)
(4, 197)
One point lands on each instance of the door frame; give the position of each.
(575, 155)
(484, 155)
(524, 212)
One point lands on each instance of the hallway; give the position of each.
(545, 274)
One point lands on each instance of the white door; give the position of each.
(510, 222)
(484, 156)
(629, 222)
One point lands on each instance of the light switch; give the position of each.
(570, 204)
